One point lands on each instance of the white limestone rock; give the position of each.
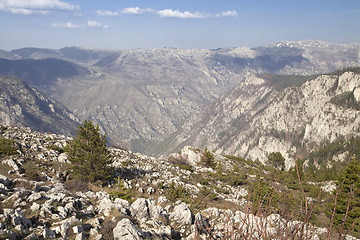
(139, 209)
(126, 230)
(181, 214)
(5, 181)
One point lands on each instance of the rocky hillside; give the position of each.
(263, 114)
(22, 105)
(139, 97)
(177, 198)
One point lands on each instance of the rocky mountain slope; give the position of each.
(139, 97)
(22, 105)
(263, 114)
(39, 200)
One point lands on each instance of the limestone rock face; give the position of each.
(259, 116)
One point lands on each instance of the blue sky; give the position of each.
(128, 24)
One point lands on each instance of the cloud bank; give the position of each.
(167, 13)
(42, 7)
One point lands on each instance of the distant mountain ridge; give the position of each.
(85, 56)
(140, 97)
(41, 73)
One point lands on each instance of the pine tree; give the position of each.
(347, 211)
(207, 159)
(88, 153)
(276, 160)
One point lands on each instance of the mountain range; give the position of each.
(141, 97)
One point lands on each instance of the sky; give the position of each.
(206, 24)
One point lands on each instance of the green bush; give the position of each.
(56, 148)
(185, 167)
(262, 194)
(176, 192)
(7, 147)
(237, 179)
(347, 210)
(204, 181)
(121, 191)
(276, 160)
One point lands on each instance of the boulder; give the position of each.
(139, 209)
(32, 236)
(11, 163)
(126, 230)
(35, 207)
(192, 155)
(4, 180)
(182, 214)
(80, 236)
(157, 213)
(63, 158)
(34, 196)
(105, 205)
(78, 229)
(49, 234)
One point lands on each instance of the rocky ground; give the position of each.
(150, 198)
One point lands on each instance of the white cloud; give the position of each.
(27, 7)
(106, 13)
(229, 14)
(67, 25)
(132, 10)
(88, 25)
(94, 24)
(177, 14)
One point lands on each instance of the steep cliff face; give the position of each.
(22, 105)
(258, 117)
